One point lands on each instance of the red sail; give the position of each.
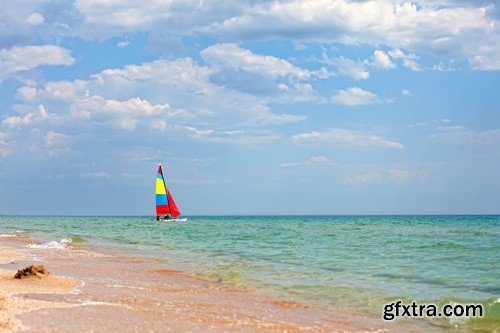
(173, 207)
(165, 204)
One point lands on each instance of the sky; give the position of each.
(252, 107)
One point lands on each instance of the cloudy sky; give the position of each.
(252, 107)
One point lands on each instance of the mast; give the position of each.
(166, 191)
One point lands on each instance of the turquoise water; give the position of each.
(356, 261)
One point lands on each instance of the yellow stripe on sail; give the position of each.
(160, 187)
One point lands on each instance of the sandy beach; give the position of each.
(90, 290)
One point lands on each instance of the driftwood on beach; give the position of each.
(38, 271)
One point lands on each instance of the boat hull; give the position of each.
(182, 219)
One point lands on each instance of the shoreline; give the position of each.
(119, 291)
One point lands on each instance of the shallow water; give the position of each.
(357, 261)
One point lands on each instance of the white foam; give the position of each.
(7, 235)
(130, 287)
(63, 244)
(102, 303)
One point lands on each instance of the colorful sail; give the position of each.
(165, 204)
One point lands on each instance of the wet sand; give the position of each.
(92, 290)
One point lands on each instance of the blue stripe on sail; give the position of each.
(158, 175)
(161, 199)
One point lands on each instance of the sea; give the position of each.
(360, 262)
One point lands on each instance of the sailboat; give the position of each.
(166, 209)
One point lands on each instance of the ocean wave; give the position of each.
(78, 240)
(7, 235)
(487, 323)
(63, 244)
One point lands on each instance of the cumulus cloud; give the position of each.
(487, 56)
(53, 139)
(23, 58)
(355, 96)
(156, 95)
(345, 137)
(66, 91)
(233, 56)
(355, 69)
(381, 60)
(458, 30)
(39, 114)
(351, 68)
(409, 60)
(125, 114)
(240, 69)
(188, 85)
(299, 92)
(35, 19)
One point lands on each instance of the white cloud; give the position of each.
(382, 61)
(409, 60)
(347, 67)
(188, 85)
(313, 161)
(154, 96)
(457, 30)
(39, 114)
(122, 44)
(445, 67)
(123, 15)
(431, 122)
(234, 136)
(35, 19)
(369, 177)
(4, 147)
(67, 91)
(233, 56)
(242, 70)
(406, 92)
(399, 175)
(404, 176)
(53, 139)
(126, 114)
(355, 96)
(345, 137)
(459, 135)
(299, 92)
(23, 58)
(487, 57)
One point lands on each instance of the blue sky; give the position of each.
(252, 107)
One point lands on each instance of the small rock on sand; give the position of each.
(34, 270)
